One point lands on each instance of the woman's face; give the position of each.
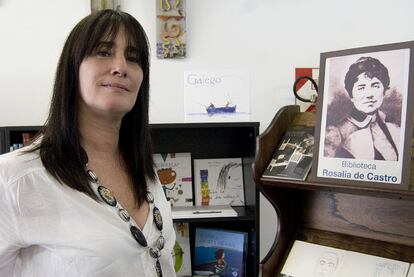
(110, 79)
(367, 94)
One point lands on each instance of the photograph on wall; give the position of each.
(364, 120)
(220, 252)
(216, 96)
(218, 182)
(174, 173)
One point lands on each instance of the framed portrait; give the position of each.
(363, 131)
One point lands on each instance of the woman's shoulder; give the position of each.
(14, 165)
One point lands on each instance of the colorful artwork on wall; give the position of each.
(171, 29)
(97, 5)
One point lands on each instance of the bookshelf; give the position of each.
(203, 140)
(374, 221)
(211, 141)
(12, 135)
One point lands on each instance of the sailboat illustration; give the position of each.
(227, 108)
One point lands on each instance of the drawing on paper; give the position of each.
(219, 96)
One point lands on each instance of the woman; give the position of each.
(365, 133)
(84, 199)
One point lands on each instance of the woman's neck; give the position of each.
(99, 137)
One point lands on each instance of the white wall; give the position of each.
(269, 37)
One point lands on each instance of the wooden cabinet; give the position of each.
(374, 221)
(203, 140)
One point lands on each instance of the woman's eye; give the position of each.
(103, 53)
(133, 59)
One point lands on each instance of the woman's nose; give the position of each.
(119, 67)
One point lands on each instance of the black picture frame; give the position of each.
(356, 128)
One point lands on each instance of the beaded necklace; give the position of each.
(107, 196)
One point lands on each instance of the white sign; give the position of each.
(216, 96)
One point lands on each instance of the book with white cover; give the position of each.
(218, 182)
(174, 172)
(203, 212)
(363, 265)
(181, 252)
(308, 259)
(411, 271)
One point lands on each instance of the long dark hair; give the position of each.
(60, 149)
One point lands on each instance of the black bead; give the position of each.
(160, 242)
(124, 215)
(150, 197)
(157, 218)
(158, 268)
(138, 236)
(154, 252)
(92, 176)
(107, 196)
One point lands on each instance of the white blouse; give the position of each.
(49, 229)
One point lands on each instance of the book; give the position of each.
(181, 252)
(27, 137)
(359, 264)
(293, 157)
(220, 252)
(203, 212)
(218, 182)
(411, 271)
(174, 172)
(308, 259)
(321, 260)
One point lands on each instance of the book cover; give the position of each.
(308, 259)
(326, 261)
(218, 182)
(203, 212)
(361, 265)
(220, 252)
(181, 252)
(411, 271)
(174, 172)
(216, 95)
(293, 157)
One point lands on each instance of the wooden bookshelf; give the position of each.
(374, 221)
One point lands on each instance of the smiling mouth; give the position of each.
(119, 86)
